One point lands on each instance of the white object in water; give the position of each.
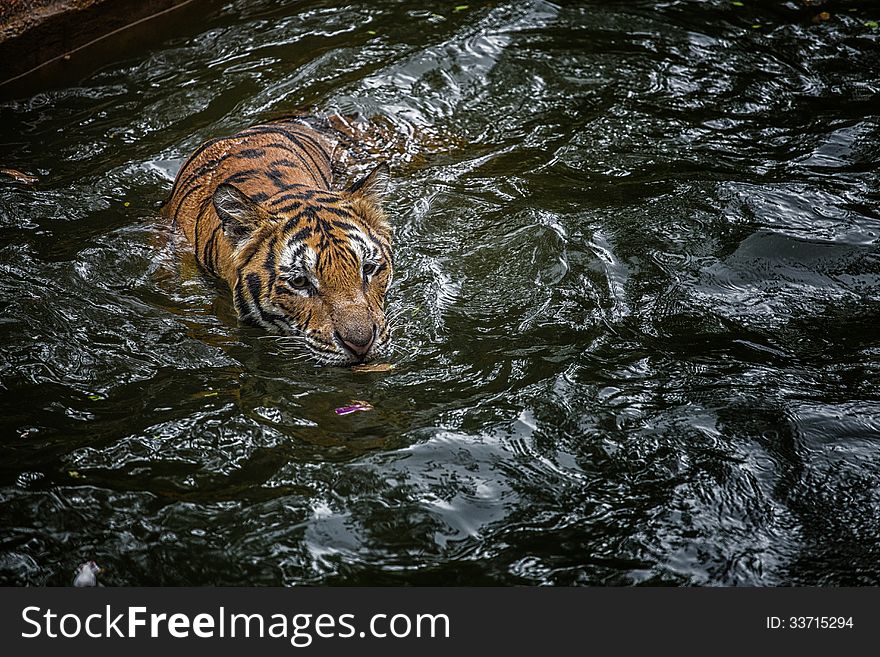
(87, 574)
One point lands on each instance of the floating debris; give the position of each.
(372, 367)
(18, 176)
(354, 406)
(87, 574)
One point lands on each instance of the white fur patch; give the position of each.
(300, 260)
(370, 252)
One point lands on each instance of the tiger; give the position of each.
(302, 258)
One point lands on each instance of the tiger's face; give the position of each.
(314, 265)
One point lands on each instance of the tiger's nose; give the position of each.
(358, 342)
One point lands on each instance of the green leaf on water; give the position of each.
(73, 474)
(94, 397)
(872, 24)
(737, 4)
(756, 26)
(372, 32)
(461, 7)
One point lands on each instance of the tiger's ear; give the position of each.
(239, 215)
(374, 185)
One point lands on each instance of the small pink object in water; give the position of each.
(355, 406)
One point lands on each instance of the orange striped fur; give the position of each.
(304, 259)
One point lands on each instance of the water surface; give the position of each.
(637, 284)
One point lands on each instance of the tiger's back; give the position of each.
(261, 162)
(260, 211)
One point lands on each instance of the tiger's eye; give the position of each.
(299, 282)
(370, 269)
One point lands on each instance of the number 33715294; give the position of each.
(810, 622)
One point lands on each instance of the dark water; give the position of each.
(638, 285)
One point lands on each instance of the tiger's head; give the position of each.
(314, 264)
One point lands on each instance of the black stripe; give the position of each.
(357, 238)
(345, 226)
(296, 140)
(207, 259)
(287, 209)
(277, 178)
(254, 248)
(269, 264)
(212, 165)
(301, 132)
(185, 178)
(293, 222)
(251, 153)
(339, 212)
(304, 195)
(279, 146)
(205, 168)
(186, 196)
(196, 224)
(201, 149)
(244, 312)
(305, 136)
(238, 176)
(296, 251)
(254, 286)
(282, 197)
